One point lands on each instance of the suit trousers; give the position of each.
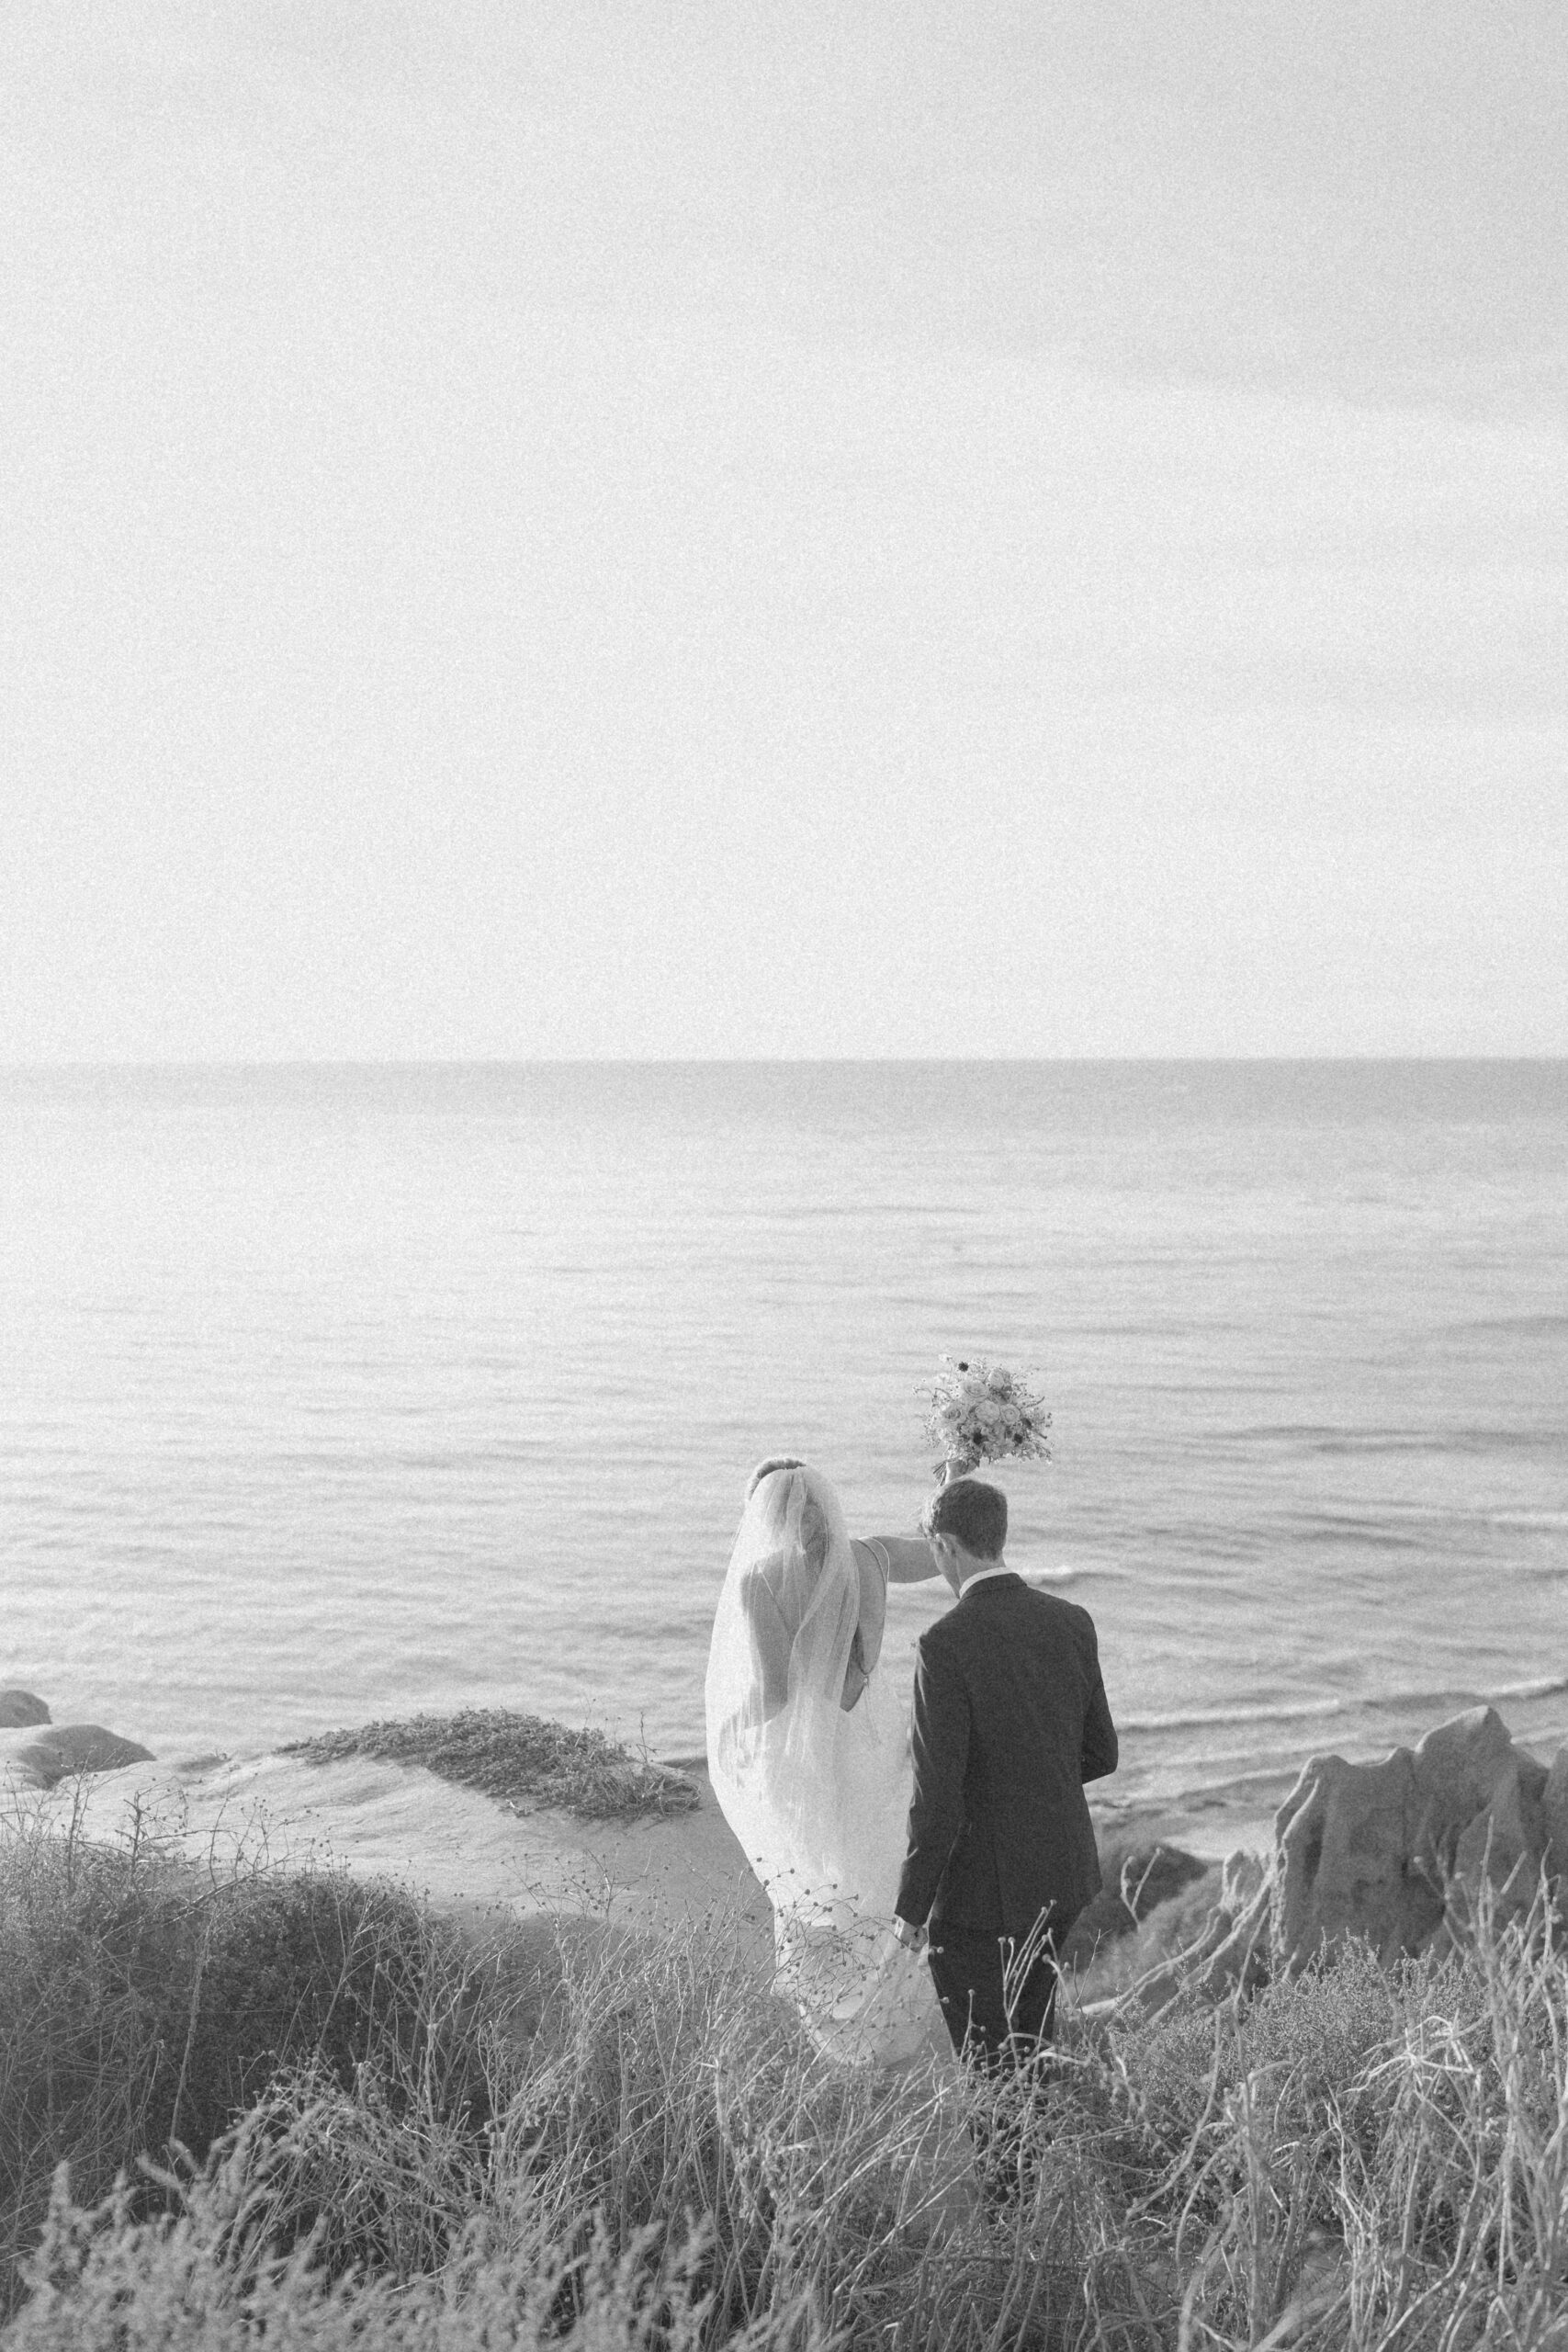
(1000, 2019)
(998, 2016)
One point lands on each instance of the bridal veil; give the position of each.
(818, 1795)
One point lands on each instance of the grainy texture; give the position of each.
(616, 2142)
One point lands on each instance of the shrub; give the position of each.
(142, 2004)
(521, 1760)
(105, 2282)
(616, 2140)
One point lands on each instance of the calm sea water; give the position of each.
(337, 1393)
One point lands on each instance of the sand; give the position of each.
(461, 1849)
(398, 1821)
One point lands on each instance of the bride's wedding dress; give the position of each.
(818, 1795)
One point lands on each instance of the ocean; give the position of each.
(335, 1392)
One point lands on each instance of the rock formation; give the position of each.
(1137, 1879)
(1554, 1815)
(68, 1749)
(1401, 1854)
(20, 1707)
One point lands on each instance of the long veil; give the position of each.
(818, 1795)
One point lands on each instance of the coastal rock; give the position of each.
(1150, 1875)
(1554, 1815)
(1138, 1880)
(19, 1708)
(1401, 1854)
(1227, 1939)
(1505, 1845)
(1347, 1862)
(1457, 1766)
(68, 1749)
(1241, 1876)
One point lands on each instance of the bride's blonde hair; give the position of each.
(809, 1520)
(765, 1470)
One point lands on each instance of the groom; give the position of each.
(1011, 1720)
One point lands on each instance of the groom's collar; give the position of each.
(979, 1577)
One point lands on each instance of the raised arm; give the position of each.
(908, 1558)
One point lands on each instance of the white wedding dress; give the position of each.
(818, 1795)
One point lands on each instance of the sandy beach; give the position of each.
(455, 1845)
(464, 1850)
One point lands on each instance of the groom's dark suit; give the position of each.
(1011, 1720)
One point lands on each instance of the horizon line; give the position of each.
(786, 1061)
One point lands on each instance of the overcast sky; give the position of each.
(713, 528)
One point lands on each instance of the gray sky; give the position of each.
(814, 530)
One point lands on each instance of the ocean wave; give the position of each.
(1546, 1686)
(1454, 1516)
(1258, 1784)
(1367, 1703)
(1330, 1439)
(1281, 1777)
(1337, 1527)
(1550, 1688)
(1511, 1325)
(1219, 1718)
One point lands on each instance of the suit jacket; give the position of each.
(1011, 1720)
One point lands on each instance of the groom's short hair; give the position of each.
(973, 1515)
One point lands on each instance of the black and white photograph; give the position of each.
(783, 1176)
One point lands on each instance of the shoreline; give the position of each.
(1210, 1804)
(464, 1850)
(1198, 1821)
(503, 1834)
(468, 1852)
(479, 1818)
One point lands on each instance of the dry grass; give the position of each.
(521, 1760)
(609, 2142)
(143, 2002)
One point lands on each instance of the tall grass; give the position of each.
(583, 2137)
(145, 2003)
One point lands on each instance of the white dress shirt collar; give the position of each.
(979, 1577)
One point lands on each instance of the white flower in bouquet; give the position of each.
(977, 1413)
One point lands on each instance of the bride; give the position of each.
(808, 1751)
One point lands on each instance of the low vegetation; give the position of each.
(521, 1760)
(392, 2135)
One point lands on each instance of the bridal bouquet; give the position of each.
(985, 1416)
